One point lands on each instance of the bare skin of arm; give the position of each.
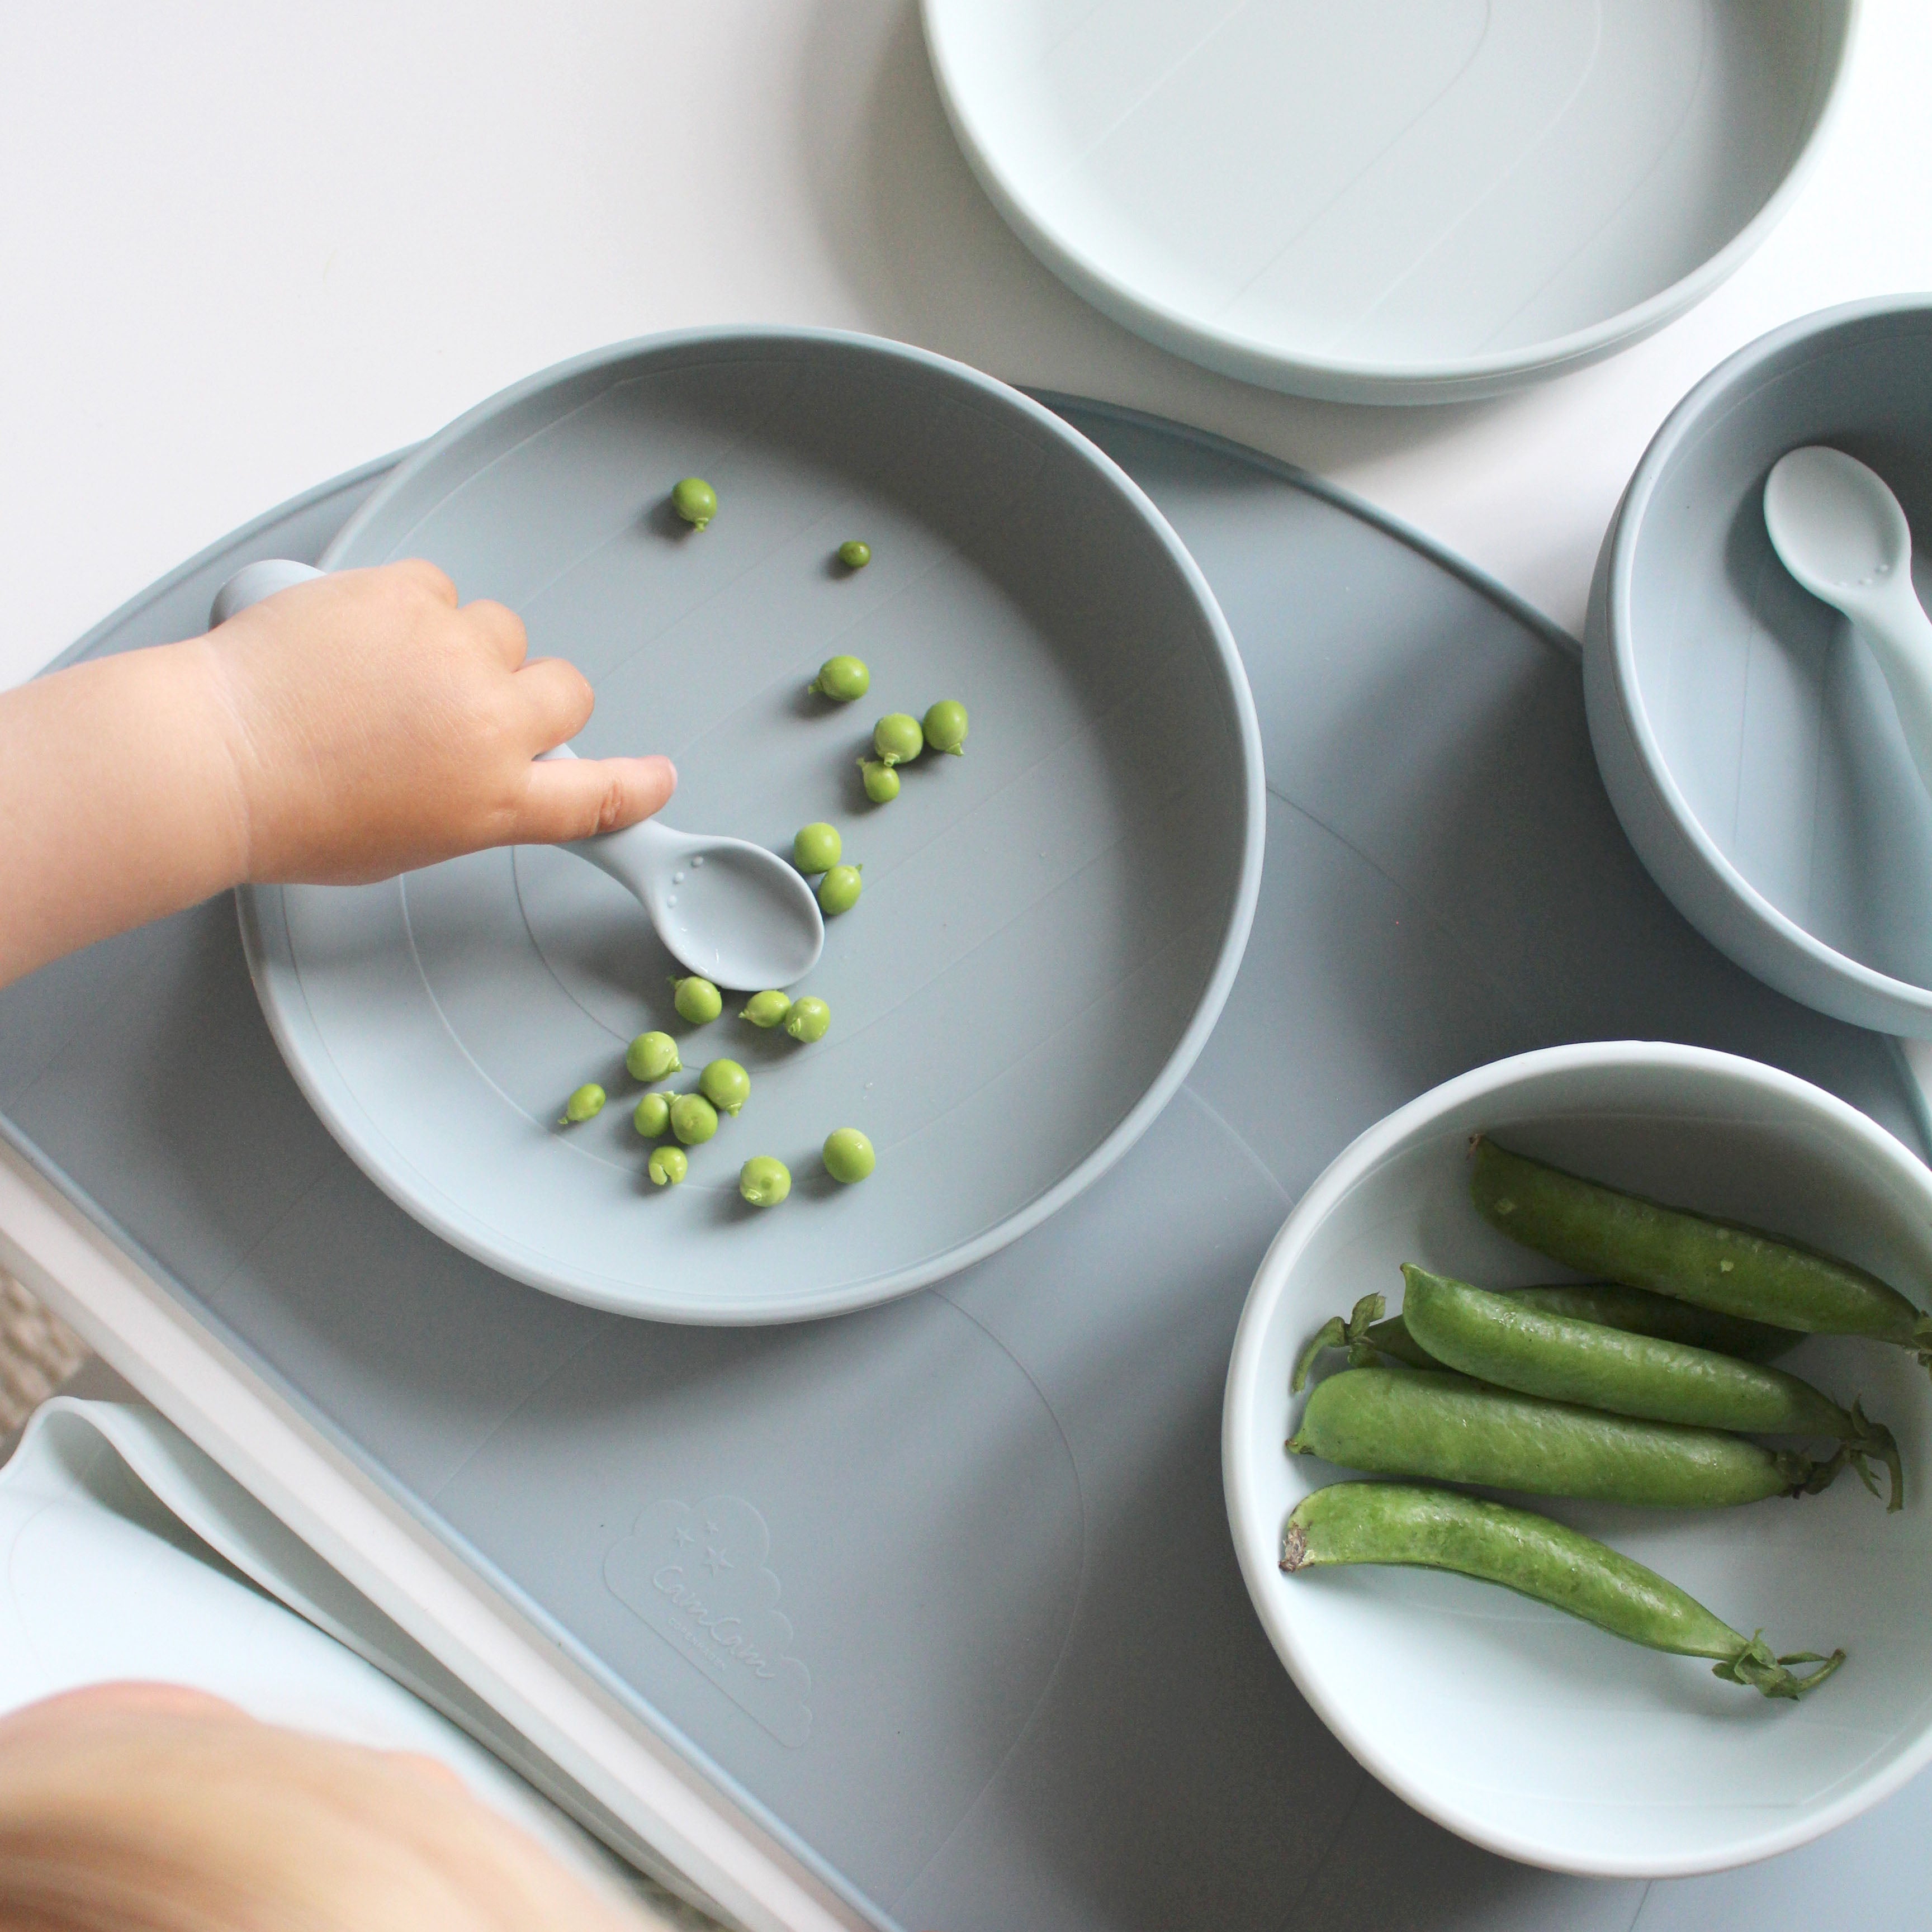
(343, 731)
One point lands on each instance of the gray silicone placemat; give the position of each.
(984, 1655)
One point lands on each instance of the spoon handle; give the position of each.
(1899, 635)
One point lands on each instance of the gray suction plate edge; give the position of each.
(1676, 850)
(279, 990)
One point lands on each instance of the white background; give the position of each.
(245, 246)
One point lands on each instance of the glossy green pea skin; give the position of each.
(1498, 1341)
(898, 739)
(848, 1155)
(653, 1118)
(763, 1181)
(668, 1165)
(693, 1119)
(697, 1000)
(853, 554)
(809, 1019)
(726, 1085)
(816, 847)
(651, 1056)
(841, 680)
(695, 500)
(944, 726)
(586, 1104)
(1403, 1524)
(1446, 1429)
(839, 890)
(882, 782)
(766, 1009)
(1719, 1264)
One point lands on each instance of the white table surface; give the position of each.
(244, 247)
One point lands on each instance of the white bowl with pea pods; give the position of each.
(1528, 1732)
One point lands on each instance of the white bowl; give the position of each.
(1525, 1731)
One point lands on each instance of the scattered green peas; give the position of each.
(882, 782)
(669, 1165)
(693, 1119)
(653, 1118)
(945, 726)
(695, 500)
(586, 1104)
(808, 1018)
(1437, 1529)
(726, 1085)
(848, 1155)
(839, 890)
(853, 554)
(763, 1181)
(766, 1009)
(651, 1056)
(842, 679)
(696, 1000)
(898, 739)
(816, 847)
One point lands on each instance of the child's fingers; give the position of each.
(501, 630)
(571, 798)
(557, 701)
(425, 576)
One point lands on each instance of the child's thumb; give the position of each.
(571, 798)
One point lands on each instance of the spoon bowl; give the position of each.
(723, 907)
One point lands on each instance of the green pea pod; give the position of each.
(1370, 1338)
(1437, 1529)
(1719, 1265)
(1428, 1423)
(1501, 1341)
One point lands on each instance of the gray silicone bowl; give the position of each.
(1744, 732)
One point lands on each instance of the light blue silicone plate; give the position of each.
(1050, 923)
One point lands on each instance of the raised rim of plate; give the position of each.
(279, 989)
(1274, 364)
(1254, 1536)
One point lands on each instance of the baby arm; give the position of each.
(345, 729)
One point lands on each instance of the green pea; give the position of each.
(693, 1119)
(697, 1001)
(816, 847)
(726, 1085)
(882, 782)
(651, 1056)
(1719, 1265)
(586, 1104)
(841, 680)
(653, 1118)
(1498, 1341)
(695, 500)
(853, 554)
(1437, 1529)
(808, 1018)
(1423, 1422)
(668, 1165)
(839, 890)
(945, 726)
(763, 1181)
(898, 739)
(848, 1155)
(766, 1009)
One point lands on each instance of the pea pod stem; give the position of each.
(1405, 1524)
(1445, 1427)
(1719, 1265)
(1529, 1349)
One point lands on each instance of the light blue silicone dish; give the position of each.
(1049, 923)
(1391, 201)
(1745, 730)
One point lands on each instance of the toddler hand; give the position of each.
(376, 727)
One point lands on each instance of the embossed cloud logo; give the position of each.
(698, 1577)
